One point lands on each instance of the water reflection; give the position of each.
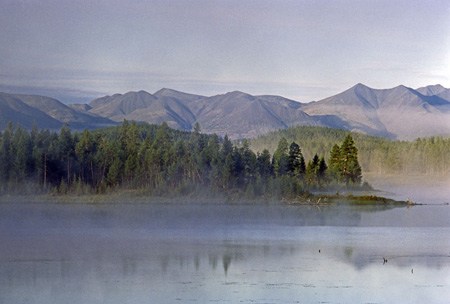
(247, 254)
(223, 273)
(187, 216)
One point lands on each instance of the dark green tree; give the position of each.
(66, 147)
(42, 142)
(226, 160)
(22, 156)
(296, 160)
(322, 171)
(335, 166)
(312, 170)
(85, 150)
(281, 158)
(6, 153)
(264, 164)
(249, 162)
(349, 165)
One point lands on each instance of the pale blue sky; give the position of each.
(304, 50)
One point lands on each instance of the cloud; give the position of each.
(209, 46)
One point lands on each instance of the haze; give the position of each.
(304, 50)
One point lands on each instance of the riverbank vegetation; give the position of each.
(159, 161)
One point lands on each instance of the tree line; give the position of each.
(423, 156)
(163, 161)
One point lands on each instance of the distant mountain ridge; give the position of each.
(400, 112)
(237, 114)
(397, 113)
(46, 113)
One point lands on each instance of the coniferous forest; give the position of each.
(380, 156)
(161, 161)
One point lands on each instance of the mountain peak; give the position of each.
(141, 92)
(360, 85)
(431, 90)
(399, 87)
(236, 94)
(165, 92)
(399, 112)
(174, 94)
(360, 88)
(402, 89)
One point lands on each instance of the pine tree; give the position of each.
(296, 160)
(85, 151)
(226, 163)
(321, 171)
(22, 156)
(264, 165)
(349, 165)
(335, 163)
(6, 153)
(312, 170)
(66, 150)
(281, 158)
(249, 162)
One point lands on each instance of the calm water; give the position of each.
(212, 253)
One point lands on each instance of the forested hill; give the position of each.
(377, 155)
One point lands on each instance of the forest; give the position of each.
(160, 161)
(423, 156)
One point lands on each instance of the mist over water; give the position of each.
(421, 189)
(222, 253)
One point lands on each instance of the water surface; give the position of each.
(218, 253)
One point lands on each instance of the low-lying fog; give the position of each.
(422, 189)
(217, 253)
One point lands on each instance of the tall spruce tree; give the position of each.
(321, 171)
(296, 160)
(312, 170)
(281, 158)
(264, 165)
(335, 163)
(349, 165)
(66, 147)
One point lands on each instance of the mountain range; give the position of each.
(46, 113)
(397, 113)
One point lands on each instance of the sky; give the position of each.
(304, 50)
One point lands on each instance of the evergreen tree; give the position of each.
(335, 165)
(312, 170)
(104, 158)
(113, 176)
(6, 153)
(22, 155)
(66, 150)
(85, 151)
(296, 160)
(42, 141)
(249, 162)
(226, 160)
(321, 171)
(281, 158)
(349, 165)
(264, 165)
(213, 160)
(227, 147)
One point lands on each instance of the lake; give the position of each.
(222, 253)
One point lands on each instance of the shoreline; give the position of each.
(136, 197)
